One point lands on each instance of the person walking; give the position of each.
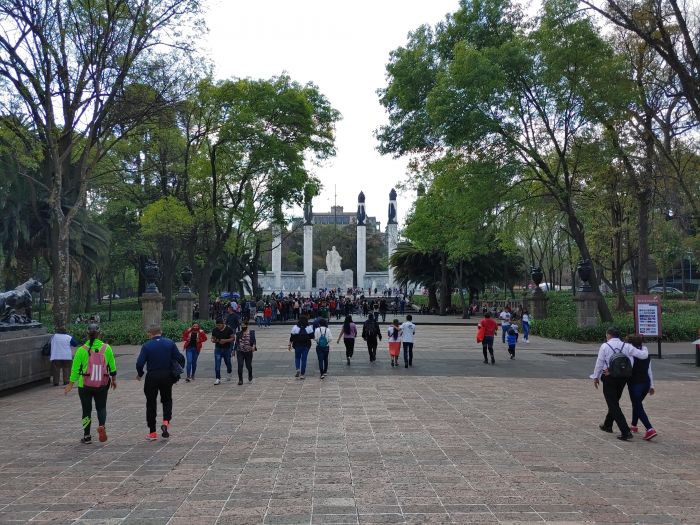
(193, 338)
(300, 338)
(348, 334)
(157, 357)
(408, 330)
(323, 337)
(613, 367)
(512, 338)
(394, 333)
(640, 384)
(490, 327)
(244, 352)
(61, 355)
(526, 326)
(267, 315)
(222, 336)
(370, 333)
(94, 370)
(505, 317)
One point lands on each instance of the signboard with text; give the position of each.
(647, 315)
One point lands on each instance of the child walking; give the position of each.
(394, 333)
(512, 338)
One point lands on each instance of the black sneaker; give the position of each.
(486, 361)
(493, 361)
(406, 365)
(164, 431)
(297, 374)
(86, 440)
(625, 437)
(605, 429)
(240, 382)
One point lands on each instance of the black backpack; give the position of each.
(619, 365)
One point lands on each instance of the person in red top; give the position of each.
(490, 328)
(267, 315)
(193, 338)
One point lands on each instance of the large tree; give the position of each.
(66, 66)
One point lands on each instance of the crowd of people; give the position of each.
(93, 368)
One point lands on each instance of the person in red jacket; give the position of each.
(193, 338)
(490, 328)
(267, 315)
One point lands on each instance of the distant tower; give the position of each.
(361, 241)
(392, 234)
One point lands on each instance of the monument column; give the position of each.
(151, 300)
(277, 256)
(308, 245)
(392, 234)
(361, 241)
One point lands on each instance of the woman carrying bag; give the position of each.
(244, 353)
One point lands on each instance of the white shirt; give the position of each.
(323, 330)
(61, 347)
(407, 331)
(606, 352)
(526, 318)
(505, 317)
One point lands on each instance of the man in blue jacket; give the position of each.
(158, 355)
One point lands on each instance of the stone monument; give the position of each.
(334, 276)
(184, 300)
(361, 241)
(151, 300)
(537, 302)
(308, 243)
(21, 338)
(586, 300)
(392, 234)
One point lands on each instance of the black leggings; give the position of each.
(487, 343)
(349, 346)
(86, 395)
(245, 358)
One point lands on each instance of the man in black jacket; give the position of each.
(370, 333)
(158, 355)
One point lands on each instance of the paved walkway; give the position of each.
(450, 440)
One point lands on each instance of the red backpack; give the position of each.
(96, 374)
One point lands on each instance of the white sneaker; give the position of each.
(217, 382)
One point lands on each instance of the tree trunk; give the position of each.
(432, 298)
(61, 273)
(204, 277)
(443, 284)
(98, 286)
(88, 293)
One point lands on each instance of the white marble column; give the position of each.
(361, 255)
(392, 234)
(308, 256)
(277, 256)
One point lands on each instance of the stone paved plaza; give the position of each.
(449, 441)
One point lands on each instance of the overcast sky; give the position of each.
(342, 47)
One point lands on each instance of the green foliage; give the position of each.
(679, 321)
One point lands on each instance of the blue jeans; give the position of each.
(526, 330)
(300, 357)
(505, 328)
(218, 354)
(322, 354)
(192, 356)
(638, 391)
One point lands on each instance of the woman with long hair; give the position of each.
(348, 334)
(95, 370)
(244, 353)
(639, 385)
(300, 339)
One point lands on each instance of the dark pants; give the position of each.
(408, 353)
(372, 348)
(225, 354)
(158, 381)
(612, 390)
(192, 356)
(86, 396)
(56, 366)
(245, 358)
(487, 343)
(322, 354)
(300, 357)
(511, 349)
(638, 391)
(349, 346)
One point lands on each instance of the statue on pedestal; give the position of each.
(392, 206)
(361, 215)
(333, 259)
(19, 299)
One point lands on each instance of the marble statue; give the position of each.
(333, 259)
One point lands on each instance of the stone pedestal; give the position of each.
(586, 309)
(341, 281)
(21, 358)
(277, 256)
(536, 304)
(392, 234)
(151, 309)
(361, 255)
(184, 304)
(308, 256)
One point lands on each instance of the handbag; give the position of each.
(46, 349)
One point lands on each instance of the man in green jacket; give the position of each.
(94, 369)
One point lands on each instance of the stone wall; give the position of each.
(20, 355)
